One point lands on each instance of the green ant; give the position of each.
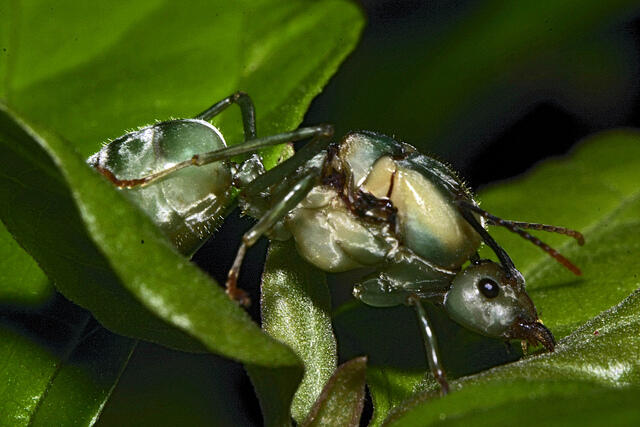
(366, 201)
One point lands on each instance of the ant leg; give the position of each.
(290, 200)
(247, 110)
(221, 154)
(320, 141)
(430, 344)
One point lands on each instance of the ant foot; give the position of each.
(239, 296)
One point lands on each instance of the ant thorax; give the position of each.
(426, 220)
(374, 200)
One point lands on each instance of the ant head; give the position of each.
(487, 299)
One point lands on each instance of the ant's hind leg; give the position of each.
(430, 344)
(321, 137)
(247, 110)
(219, 155)
(290, 200)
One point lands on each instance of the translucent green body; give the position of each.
(368, 201)
(187, 205)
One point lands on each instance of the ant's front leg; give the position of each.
(279, 210)
(430, 344)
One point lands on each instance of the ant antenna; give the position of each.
(517, 227)
(505, 260)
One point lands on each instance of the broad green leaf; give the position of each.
(21, 280)
(593, 190)
(105, 68)
(523, 402)
(342, 399)
(568, 383)
(295, 304)
(58, 365)
(102, 70)
(126, 273)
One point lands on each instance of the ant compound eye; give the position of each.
(488, 287)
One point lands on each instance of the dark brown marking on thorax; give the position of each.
(393, 179)
(361, 203)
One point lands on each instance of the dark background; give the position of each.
(439, 75)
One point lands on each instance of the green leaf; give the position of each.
(58, 365)
(21, 280)
(342, 399)
(593, 190)
(570, 383)
(389, 388)
(522, 402)
(126, 273)
(109, 68)
(295, 304)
